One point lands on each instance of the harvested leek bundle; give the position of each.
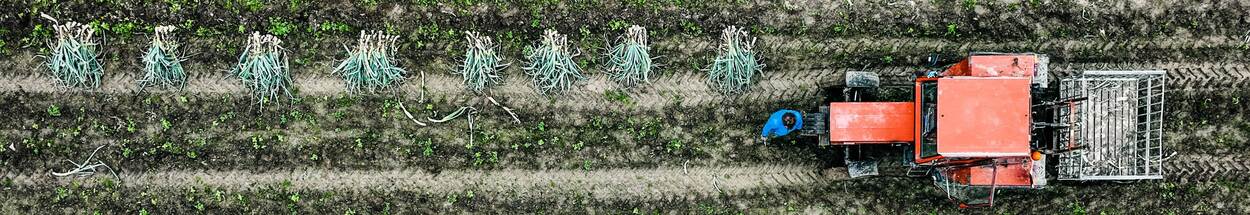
(482, 65)
(370, 66)
(73, 59)
(630, 60)
(264, 69)
(735, 66)
(161, 66)
(551, 65)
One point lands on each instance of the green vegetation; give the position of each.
(952, 30)
(735, 66)
(161, 66)
(551, 65)
(54, 111)
(369, 66)
(482, 65)
(630, 60)
(263, 68)
(73, 60)
(280, 27)
(618, 96)
(333, 27)
(123, 30)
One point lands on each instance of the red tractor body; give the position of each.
(972, 122)
(993, 121)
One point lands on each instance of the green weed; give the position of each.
(54, 111)
(674, 146)
(253, 5)
(427, 147)
(336, 27)
(616, 25)
(618, 96)
(952, 30)
(130, 126)
(280, 27)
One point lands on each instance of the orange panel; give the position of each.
(983, 117)
(870, 122)
(1016, 174)
(1021, 65)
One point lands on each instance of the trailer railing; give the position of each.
(1113, 126)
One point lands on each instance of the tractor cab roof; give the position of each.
(983, 117)
(979, 108)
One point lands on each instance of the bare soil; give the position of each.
(673, 146)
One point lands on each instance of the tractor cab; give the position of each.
(974, 127)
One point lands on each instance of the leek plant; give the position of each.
(161, 66)
(630, 61)
(370, 65)
(482, 65)
(551, 66)
(733, 70)
(73, 59)
(264, 69)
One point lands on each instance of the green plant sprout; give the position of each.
(263, 68)
(369, 66)
(735, 66)
(630, 60)
(482, 65)
(551, 65)
(73, 60)
(161, 66)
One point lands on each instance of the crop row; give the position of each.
(264, 68)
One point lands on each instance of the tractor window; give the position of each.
(928, 111)
(963, 193)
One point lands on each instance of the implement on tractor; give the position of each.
(992, 121)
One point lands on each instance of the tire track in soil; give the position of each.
(686, 89)
(608, 184)
(1181, 76)
(1199, 168)
(232, 151)
(786, 53)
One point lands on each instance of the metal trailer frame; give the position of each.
(1113, 126)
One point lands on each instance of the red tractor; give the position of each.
(994, 121)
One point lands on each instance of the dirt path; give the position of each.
(609, 184)
(614, 184)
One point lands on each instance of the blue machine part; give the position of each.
(775, 127)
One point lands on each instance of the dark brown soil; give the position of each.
(212, 128)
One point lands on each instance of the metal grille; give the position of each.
(1114, 126)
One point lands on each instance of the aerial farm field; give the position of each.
(427, 141)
